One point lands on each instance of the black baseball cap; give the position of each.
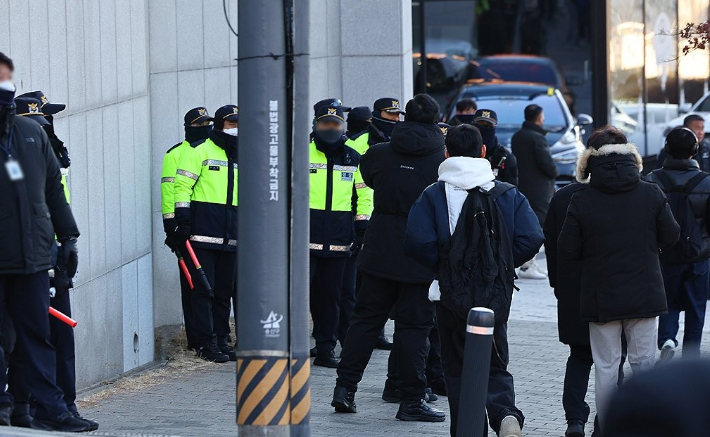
(485, 117)
(330, 102)
(31, 108)
(387, 104)
(197, 115)
(330, 113)
(227, 112)
(360, 113)
(47, 107)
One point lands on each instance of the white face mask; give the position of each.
(232, 131)
(7, 85)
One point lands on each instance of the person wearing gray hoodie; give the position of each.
(430, 225)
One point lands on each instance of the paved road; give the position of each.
(201, 402)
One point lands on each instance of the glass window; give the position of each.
(693, 68)
(516, 72)
(510, 111)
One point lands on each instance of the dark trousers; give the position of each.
(414, 317)
(434, 369)
(351, 281)
(62, 338)
(186, 298)
(500, 401)
(326, 292)
(579, 364)
(211, 310)
(27, 300)
(687, 287)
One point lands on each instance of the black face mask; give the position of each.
(196, 133)
(355, 126)
(329, 137)
(385, 126)
(488, 134)
(58, 146)
(465, 118)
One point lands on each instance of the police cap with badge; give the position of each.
(387, 104)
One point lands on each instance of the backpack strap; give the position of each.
(695, 181)
(499, 189)
(666, 183)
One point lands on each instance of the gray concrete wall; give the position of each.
(128, 70)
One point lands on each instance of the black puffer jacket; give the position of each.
(615, 227)
(398, 172)
(33, 209)
(564, 274)
(680, 171)
(537, 170)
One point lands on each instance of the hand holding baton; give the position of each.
(63, 317)
(198, 267)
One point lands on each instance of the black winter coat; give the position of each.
(615, 226)
(398, 172)
(504, 164)
(564, 274)
(537, 170)
(33, 209)
(680, 171)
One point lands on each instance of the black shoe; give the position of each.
(430, 396)
(326, 360)
(438, 386)
(212, 353)
(383, 344)
(94, 425)
(575, 428)
(419, 411)
(314, 352)
(228, 351)
(66, 422)
(343, 400)
(5, 414)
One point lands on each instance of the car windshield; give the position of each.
(515, 72)
(510, 110)
(704, 106)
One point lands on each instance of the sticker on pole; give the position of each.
(272, 325)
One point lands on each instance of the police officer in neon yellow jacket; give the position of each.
(340, 208)
(198, 124)
(205, 193)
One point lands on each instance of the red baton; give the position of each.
(198, 267)
(63, 317)
(185, 272)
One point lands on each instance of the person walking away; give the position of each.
(503, 163)
(685, 265)
(206, 199)
(31, 191)
(398, 172)
(537, 172)
(696, 123)
(386, 113)
(614, 227)
(198, 124)
(436, 222)
(465, 112)
(340, 208)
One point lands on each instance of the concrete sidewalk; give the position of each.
(201, 401)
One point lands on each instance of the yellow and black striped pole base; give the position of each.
(300, 397)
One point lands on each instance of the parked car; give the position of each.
(509, 99)
(522, 68)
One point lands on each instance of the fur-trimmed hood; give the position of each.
(583, 165)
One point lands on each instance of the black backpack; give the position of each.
(476, 264)
(690, 244)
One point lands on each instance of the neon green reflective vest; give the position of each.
(167, 178)
(205, 192)
(339, 201)
(360, 143)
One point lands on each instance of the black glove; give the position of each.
(68, 257)
(61, 282)
(181, 234)
(170, 240)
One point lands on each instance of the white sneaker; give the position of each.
(530, 273)
(510, 427)
(668, 350)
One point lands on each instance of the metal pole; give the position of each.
(423, 79)
(300, 358)
(600, 62)
(263, 362)
(476, 369)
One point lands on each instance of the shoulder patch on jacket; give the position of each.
(173, 148)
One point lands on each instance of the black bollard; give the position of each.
(476, 368)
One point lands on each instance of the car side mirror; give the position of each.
(584, 120)
(684, 108)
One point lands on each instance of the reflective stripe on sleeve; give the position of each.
(359, 186)
(168, 215)
(362, 217)
(169, 180)
(182, 204)
(187, 174)
(213, 240)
